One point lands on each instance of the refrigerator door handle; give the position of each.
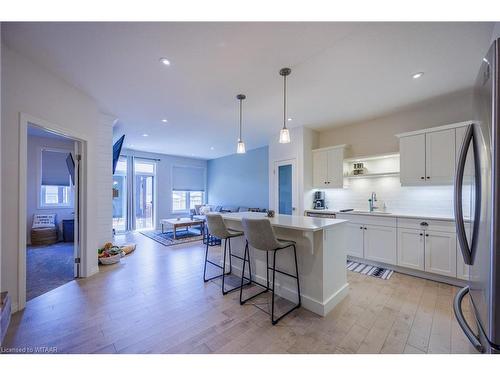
(467, 252)
(457, 308)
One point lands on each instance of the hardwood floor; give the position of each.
(155, 301)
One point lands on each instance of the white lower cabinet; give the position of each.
(380, 243)
(441, 253)
(355, 240)
(411, 248)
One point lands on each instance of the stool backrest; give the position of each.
(216, 226)
(260, 234)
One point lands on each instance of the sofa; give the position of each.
(197, 211)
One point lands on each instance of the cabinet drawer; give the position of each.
(434, 225)
(368, 219)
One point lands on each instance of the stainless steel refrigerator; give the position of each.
(477, 210)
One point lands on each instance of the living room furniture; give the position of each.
(183, 222)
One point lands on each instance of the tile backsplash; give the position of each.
(435, 200)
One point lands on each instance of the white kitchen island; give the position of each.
(321, 253)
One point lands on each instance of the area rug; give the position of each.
(366, 269)
(167, 238)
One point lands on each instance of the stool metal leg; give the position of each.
(266, 288)
(274, 321)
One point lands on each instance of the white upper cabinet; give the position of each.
(412, 159)
(328, 167)
(428, 157)
(440, 157)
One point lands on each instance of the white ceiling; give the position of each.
(341, 73)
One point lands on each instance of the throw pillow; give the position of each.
(205, 210)
(44, 220)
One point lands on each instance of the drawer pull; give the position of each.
(424, 224)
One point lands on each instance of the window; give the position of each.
(55, 183)
(55, 196)
(185, 200)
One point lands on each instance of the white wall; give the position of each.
(376, 136)
(35, 144)
(39, 93)
(1, 196)
(164, 179)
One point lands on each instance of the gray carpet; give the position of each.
(48, 267)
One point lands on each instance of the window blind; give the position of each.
(188, 178)
(54, 168)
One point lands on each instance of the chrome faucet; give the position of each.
(372, 201)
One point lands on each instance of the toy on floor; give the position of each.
(110, 254)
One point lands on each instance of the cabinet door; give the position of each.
(335, 172)
(440, 157)
(412, 159)
(411, 248)
(320, 168)
(441, 253)
(355, 240)
(380, 243)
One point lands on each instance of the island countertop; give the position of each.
(301, 223)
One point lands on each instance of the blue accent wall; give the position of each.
(240, 179)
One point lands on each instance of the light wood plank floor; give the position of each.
(155, 301)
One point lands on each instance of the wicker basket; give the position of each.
(43, 236)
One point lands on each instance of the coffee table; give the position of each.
(180, 223)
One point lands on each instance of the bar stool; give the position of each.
(217, 228)
(260, 235)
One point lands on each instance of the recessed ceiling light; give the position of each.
(131, 145)
(417, 75)
(212, 148)
(145, 135)
(165, 61)
(290, 119)
(164, 120)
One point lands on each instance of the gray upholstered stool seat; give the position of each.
(260, 235)
(217, 228)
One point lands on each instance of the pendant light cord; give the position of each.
(241, 106)
(284, 102)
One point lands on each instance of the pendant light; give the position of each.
(240, 149)
(284, 133)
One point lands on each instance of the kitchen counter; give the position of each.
(302, 223)
(395, 213)
(321, 255)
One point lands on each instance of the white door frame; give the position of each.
(277, 164)
(24, 121)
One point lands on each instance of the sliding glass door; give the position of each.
(144, 193)
(120, 196)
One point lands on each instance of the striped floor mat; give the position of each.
(365, 269)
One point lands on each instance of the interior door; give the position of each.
(440, 157)
(76, 203)
(286, 187)
(144, 193)
(412, 149)
(120, 198)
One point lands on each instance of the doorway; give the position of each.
(50, 211)
(50, 203)
(286, 187)
(144, 193)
